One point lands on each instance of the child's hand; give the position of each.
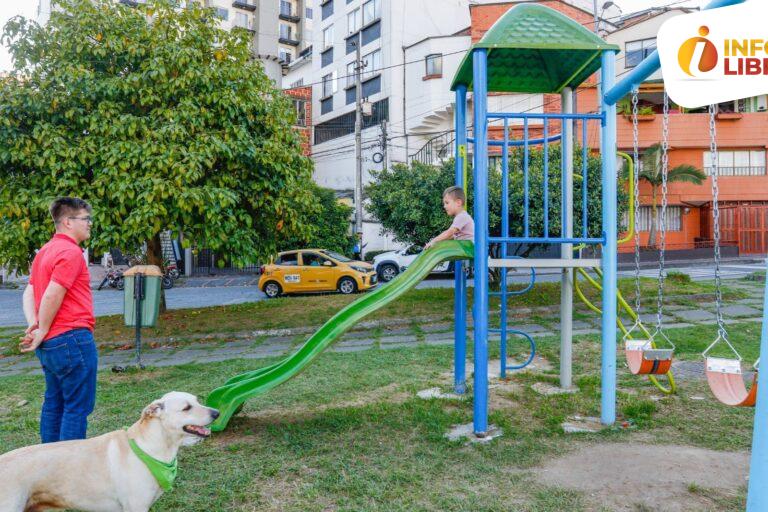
(429, 244)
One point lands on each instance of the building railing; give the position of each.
(436, 150)
(738, 171)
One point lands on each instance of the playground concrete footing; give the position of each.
(466, 431)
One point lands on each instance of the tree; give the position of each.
(407, 200)
(329, 221)
(650, 172)
(157, 117)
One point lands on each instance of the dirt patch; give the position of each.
(635, 476)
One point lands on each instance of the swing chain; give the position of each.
(663, 219)
(636, 192)
(716, 219)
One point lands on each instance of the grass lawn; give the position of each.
(349, 434)
(193, 325)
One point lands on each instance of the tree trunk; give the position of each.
(155, 257)
(654, 220)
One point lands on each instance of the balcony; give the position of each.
(287, 14)
(287, 37)
(245, 25)
(248, 5)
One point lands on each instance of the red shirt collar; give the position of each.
(62, 236)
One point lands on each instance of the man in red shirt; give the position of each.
(58, 306)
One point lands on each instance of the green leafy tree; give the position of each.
(329, 221)
(157, 117)
(651, 174)
(407, 200)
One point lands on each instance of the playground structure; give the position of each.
(533, 49)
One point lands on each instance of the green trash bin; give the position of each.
(142, 281)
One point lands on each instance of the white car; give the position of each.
(389, 264)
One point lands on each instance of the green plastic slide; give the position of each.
(229, 397)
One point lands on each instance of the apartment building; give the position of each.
(399, 84)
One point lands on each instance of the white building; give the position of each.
(411, 49)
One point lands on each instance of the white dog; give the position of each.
(118, 472)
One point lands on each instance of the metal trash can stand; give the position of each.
(142, 283)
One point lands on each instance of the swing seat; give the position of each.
(644, 360)
(726, 381)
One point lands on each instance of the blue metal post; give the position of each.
(460, 281)
(505, 234)
(757, 494)
(608, 158)
(480, 81)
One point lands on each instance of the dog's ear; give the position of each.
(153, 410)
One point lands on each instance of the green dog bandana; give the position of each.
(164, 472)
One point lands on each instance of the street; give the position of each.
(110, 302)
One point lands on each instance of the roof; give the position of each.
(535, 49)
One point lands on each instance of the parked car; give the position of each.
(315, 270)
(389, 264)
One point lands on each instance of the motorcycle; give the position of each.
(114, 279)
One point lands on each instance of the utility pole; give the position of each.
(384, 143)
(359, 148)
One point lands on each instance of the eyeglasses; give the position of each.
(87, 219)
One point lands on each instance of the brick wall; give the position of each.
(304, 93)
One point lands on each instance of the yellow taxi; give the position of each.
(315, 270)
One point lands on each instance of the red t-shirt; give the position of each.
(61, 260)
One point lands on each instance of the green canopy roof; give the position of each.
(535, 49)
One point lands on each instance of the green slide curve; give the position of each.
(229, 397)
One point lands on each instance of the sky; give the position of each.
(28, 8)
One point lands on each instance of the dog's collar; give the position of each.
(164, 472)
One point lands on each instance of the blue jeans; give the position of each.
(69, 362)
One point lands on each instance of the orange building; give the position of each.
(742, 138)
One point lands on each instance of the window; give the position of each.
(328, 37)
(636, 51)
(285, 55)
(297, 83)
(351, 74)
(312, 259)
(327, 85)
(372, 63)
(222, 13)
(285, 8)
(326, 57)
(351, 43)
(644, 217)
(371, 11)
(288, 260)
(241, 20)
(326, 105)
(344, 124)
(434, 64)
(327, 9)
(286, 31)
(353, 21)
(371, 33)
(301, 112)
(308, 13)
(737, 163)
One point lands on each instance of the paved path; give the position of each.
(394, 337)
